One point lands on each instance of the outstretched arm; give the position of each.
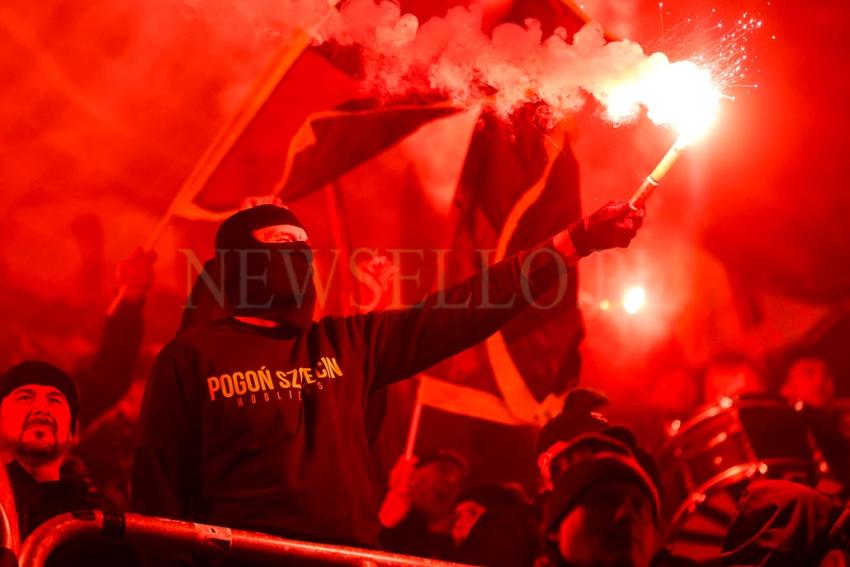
(404, 342)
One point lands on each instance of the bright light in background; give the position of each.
(634, 299)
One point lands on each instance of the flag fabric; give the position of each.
(519, 187)
(299, 83)
(464, 400)
(332, 142)
(310, 128)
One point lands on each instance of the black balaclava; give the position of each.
(268, 280)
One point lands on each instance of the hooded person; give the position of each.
(604, 511)
(579, 415)
(600, 498)
(267, 265)
(256, 421)
(268, 278)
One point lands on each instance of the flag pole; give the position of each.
(413, 430)
(224, 140)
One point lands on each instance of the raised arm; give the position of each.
(401, 343)
(110, 375)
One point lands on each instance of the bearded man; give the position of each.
(39, 405)
(38, 412)
(256, 421)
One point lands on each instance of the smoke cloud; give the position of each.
(452, 56)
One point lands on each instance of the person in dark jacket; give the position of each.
(604, 509)
(108, 383)
(39, 408)
(602, 506)
(580, 414)
(418, 510)
(495, 525)
(104, 379)
(783, 523)
(255, 421)
(38, 412)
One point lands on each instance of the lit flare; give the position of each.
(678, 95)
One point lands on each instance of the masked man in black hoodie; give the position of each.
(255, 421)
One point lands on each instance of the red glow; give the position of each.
(634, 300)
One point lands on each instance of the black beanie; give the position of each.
(43, 374)
(576, 418)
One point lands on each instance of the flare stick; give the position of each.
(652, 180)
(413, 432)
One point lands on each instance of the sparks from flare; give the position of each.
(504, 70)
(710, 62)
(514, 65)
(720, 46)
(693, 115)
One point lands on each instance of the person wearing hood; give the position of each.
(255, 421)
(604, 509)
(601, 503)
(603, 512)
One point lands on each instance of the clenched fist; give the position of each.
(612, 226)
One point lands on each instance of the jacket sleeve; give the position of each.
(401, 343)
(109, 377)
(165, 461)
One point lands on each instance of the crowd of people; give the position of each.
(253, 418)
(600, 499)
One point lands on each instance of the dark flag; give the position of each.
(519, 187)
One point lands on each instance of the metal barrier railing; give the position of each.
(8, 531)
(187, 537)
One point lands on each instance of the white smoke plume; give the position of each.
(506, 69)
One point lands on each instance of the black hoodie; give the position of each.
(262, 429)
